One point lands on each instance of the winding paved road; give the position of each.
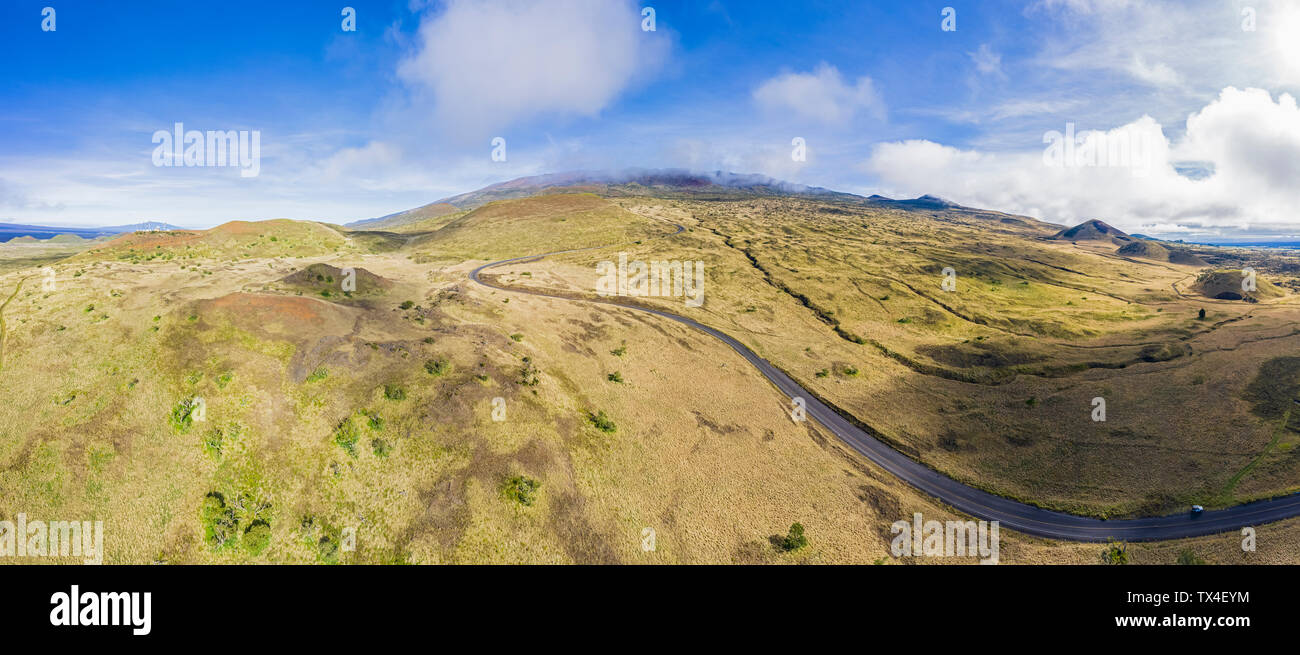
(975, 502)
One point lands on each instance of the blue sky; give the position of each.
(402, 111)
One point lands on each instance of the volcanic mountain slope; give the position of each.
(1234, 285)
(226, 242)
(545, 223)
(631, 182)
(207, 412)
(1145, 249)
(344, 285)
(923, 202)
(432, 210)
(1093, 230)
(990, 378)
(207, 420)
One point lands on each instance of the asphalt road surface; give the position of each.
(969, 500)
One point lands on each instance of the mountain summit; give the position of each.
(1093, 230)
(635, 181)
(926, 201)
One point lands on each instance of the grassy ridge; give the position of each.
(202, 395)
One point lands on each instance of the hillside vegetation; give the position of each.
(218, 396)
(226, 242)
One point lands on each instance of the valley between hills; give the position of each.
(221, 396)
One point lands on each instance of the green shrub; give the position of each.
(1116, 552)
(437, 367)
(619, 351)
(518, 336)
(521, 489)
(528, 375)
(823, 373)
(319, 374)
(380, 447)
(307, 530)
(327, 547)
(182, 417)
(394, 392)
(407, 304)
(1188, 557)
(346, 435)
(615, 377)
(601, 421)
(257, 537)
(795, 539)
(218, 521)
(213, 442)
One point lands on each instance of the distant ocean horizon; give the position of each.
(1249, 244)
(10, 231)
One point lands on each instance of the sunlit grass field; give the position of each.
(215, 397)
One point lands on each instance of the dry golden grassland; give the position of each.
(328, 415)
(993, 383)
(547, 223)
(20, 255)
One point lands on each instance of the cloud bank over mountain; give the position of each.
(1245, 143)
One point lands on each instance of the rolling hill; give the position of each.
(373, 411)
(632, 182)
(403, 218)
(1093, 230)
(1145, 249)
(1228, 285)
(232, 240)
(10, 230)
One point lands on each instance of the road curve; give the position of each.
(965, 498)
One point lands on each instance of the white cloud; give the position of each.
(1251, 140)
(375, 166)
(739, 155)
(976, 115)
(490, 65)
(1021, 108)
(1254, 144)
(1193, 46)
(1158, 74)
(820, 96)
(986, 60)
